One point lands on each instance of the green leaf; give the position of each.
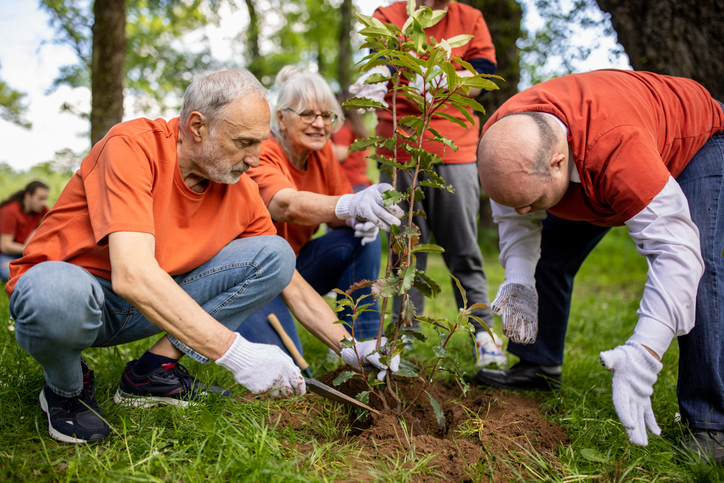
(408, 275)
(376, 32)
(437, 410)
(459, 40)
(363, 397)
(436, 289)
(461, 289)
(377, 78)
(411, 7)
(363, 143)
(407, 369)
(478, 305)
(343, 377)
(407, 311)
(392, 197)
(385, 287)
(428, 248)
(385, 161)
(450, 118)
(479, 83)
(363, 103)
(457, 99)
(592, 455)
(439, 350)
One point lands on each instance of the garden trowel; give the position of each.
(314, 385)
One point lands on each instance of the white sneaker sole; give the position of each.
(125, 399)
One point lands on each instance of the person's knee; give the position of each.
(280, 259)
(52, 299)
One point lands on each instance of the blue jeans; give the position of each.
(5, 259)
(61, 309)
(334, 260)
(564, 247)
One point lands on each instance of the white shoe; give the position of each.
(489, 350)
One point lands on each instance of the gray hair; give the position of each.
(546, 142)
(298, 89)
(210, 93)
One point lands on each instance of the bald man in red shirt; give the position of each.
(566, 160)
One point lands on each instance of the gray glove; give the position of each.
(376, 91)
(262, 368)
(634, 374)
(366, 230)
(367, 205)
(517, 304)
(369, 360)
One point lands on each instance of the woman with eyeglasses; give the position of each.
(303, 185)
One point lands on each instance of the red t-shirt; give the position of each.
(323, 176)
(355, 166)
(14, 221)
(628, 131)
(460, 19)
(131, 181)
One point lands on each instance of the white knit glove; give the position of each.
(437, 82)
(366, 230)
(634, 374)
(262, 368)
(369, 362)
(367, 205)
(376, 91)
(517, 304)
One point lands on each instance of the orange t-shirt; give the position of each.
(322, 176)
(355, 166)
(14, 221)
(628, 132)
(131, 181)
(460, 19)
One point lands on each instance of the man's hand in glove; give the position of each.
(366, 230)
(369, 362)
(262, 368)
(376, 91)
(367, 205)
(634, 374)
(517, 304)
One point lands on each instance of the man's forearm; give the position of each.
(303, 207)
(313, 312)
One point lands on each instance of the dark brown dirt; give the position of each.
(482, 426)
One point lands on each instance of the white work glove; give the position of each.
(634, 374)
(369, 362)
(366, 230)
(439, 80)
(262, 368)
(517, 304)
(367, 205)
(376, 91)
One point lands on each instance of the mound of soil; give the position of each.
(482, 425)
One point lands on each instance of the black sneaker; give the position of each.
(707, 444)
(523, 376)
(169, 384)
(75, 419)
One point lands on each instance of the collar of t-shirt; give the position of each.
(572, 171)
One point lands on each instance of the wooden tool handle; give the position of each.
(287, 341)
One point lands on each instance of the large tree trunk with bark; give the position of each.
(674, 37)
(252, 40)
(344, 67)
(504, 19)
(108, 66)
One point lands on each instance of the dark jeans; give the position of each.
(453, 220)
(564, 247)
(334, 260)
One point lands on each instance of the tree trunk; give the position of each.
(681, 38)
(503, 18)
(252, 40)
(344, 74)
(108, 66)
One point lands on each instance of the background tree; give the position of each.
(158, 66)
(674, 37)
(12, 108)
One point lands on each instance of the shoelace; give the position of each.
(181, 373)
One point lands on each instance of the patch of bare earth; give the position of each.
(482, 427)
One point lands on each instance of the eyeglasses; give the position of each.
(308, 117)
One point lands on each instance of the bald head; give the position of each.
(523, 161)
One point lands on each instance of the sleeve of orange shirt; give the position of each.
(272, 174)
(118, 187)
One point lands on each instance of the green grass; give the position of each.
(246, 440)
